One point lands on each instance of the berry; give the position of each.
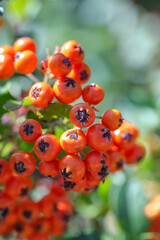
(135, 154)
(28, 211)
(112, 119)
(30, 130)
(59, 65)
(80, 72)
(41, 94)
(99, 138)
(23, 44)
(117, 159)
(73, 140)
(5, 171)
(6, 205)
(72, 167)
(82, 115)
(18, 186)
(47, 147)
(67, 90)
(6, 66)
(93, 94)
(23, 163)
(49, 169)
(7, 49)
(42, 225)
(23, 230)
(73, 51)
(25, 62)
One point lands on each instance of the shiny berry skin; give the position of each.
(47, 147)
(6, 66)
(73, 51)
(25, 62)
(95, 160)
(117, 159)
(7, 49)
(73, 140)
(93, 94)
(135, 154)
(41, 94)
(23, 44)
(125, 136)
(67, 90)
(59, 65)
(28, 211)
(99, 137)
(18, 186)
(82, 115)
(49, 169)
(30, 130)
(81, 73)
(72, 167)
(91, 181)
(58, 226)
(5, 171)
(23, 163)
(112, 119)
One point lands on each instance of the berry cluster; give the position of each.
(28, 219)
(90, 150)
(152, 211)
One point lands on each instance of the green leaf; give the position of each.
(26, 101)
(55, 110)
(12, 105)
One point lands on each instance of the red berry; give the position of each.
(49, 169)
(6, 66)
(23, 163)
(67, 90)
(30, 130)
(93, 94)
(112, 119)
(82, 115)
(41, 94)
(80, 72)
(5, 171)
(23, 44)
(47, 147)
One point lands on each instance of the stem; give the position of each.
(32, 77)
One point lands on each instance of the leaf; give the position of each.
(12, 105)
(55, 110)
(26, 101)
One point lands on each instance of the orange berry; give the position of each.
(23, 44)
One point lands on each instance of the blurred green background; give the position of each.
(121, 39)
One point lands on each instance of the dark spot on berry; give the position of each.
(139, 158)
(106, 133)
(42, 146)
(80, 49)
(1, 168)
(27, 214)
(3, 213)
(24, 192)
(82, 116)
(103, 162)
(120, 122)
(66, 217)
(104, 155)
(19, 227)
(55, 209)
(120, 164)
(103, 171)
(127, 136)
(19, 167)
(38, 227)
(70, 82)
(28, 129)
(64, 174)
(35, 92)
(83, 75)
(73, 135)
(67, 62)
(68, 185)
